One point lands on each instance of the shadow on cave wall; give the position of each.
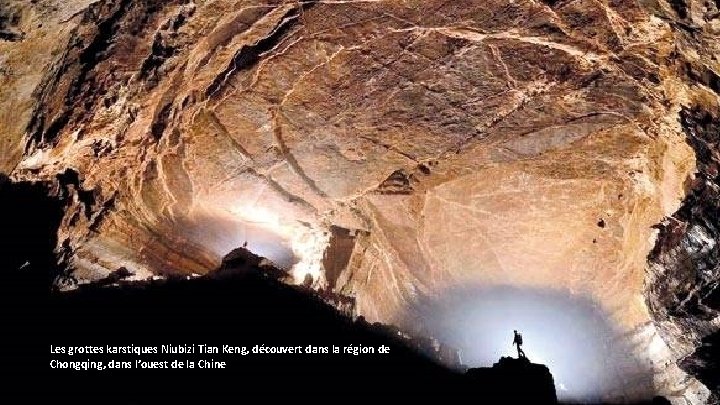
(588, 358)
(682, 289)
(239, 305)
(28, 234)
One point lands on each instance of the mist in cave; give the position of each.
(568, 333)
(221, 234)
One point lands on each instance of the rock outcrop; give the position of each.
(523, 381)
(685, 264)
(429, 144)
(242, 304)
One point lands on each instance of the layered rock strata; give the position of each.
(429, 144)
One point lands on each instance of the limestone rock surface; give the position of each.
(391, 149)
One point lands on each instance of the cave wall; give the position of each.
(32, 35)
(683, 295)
(522, 143)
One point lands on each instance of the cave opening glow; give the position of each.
(589, 359)
(295, 246)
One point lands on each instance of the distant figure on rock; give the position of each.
(518, 341)
(308, 280)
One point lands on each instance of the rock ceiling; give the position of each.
(527, 143)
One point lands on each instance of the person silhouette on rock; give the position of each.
(517, 340)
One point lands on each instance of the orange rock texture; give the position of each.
(503, 142)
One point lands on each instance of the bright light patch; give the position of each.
(259, 216)
(309, 247)
(589, 359)
(307, 244)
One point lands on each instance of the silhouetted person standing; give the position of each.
(517, 340)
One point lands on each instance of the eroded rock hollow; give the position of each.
(391, 150)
